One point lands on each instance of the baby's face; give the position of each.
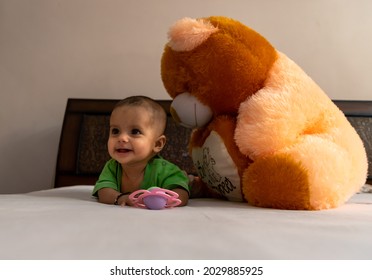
(133, 135)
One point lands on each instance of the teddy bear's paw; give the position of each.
(277, 182)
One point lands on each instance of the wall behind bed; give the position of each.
(51, 50)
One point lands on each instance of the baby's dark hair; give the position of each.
(159, 116)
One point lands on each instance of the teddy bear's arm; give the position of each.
(289, 106)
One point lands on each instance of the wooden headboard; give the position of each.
(83, 142)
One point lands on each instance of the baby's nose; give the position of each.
(123, 137)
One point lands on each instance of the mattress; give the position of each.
(68, 223)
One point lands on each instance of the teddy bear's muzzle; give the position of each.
(188, 111)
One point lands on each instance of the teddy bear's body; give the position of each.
(265, 132)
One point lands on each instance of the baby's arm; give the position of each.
(183, 196)
(111, 196)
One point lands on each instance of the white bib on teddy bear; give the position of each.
(216, 168)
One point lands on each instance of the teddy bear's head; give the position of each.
(210, 65)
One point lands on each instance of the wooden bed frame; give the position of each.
(83, 152)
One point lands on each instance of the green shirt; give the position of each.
(158, 173)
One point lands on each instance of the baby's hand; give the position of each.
(125, 201)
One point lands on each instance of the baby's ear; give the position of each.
(160, 143)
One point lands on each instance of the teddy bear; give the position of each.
(263, 131)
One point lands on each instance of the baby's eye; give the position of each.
(115, 131)
(136, 131)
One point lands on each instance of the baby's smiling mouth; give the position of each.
(122, 150)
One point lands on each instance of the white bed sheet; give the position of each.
(67, 223)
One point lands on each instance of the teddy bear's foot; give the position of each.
(277, 182)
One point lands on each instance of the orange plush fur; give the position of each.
(273, 138)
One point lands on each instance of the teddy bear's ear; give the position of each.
(187, 33)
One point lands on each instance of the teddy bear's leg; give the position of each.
(314, 174)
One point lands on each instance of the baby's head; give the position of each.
(158, 115)
(137, 126)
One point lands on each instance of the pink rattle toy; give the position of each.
(154, 198)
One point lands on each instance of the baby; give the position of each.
(137, 125)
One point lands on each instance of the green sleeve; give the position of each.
(110, 177)
(164, 174)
